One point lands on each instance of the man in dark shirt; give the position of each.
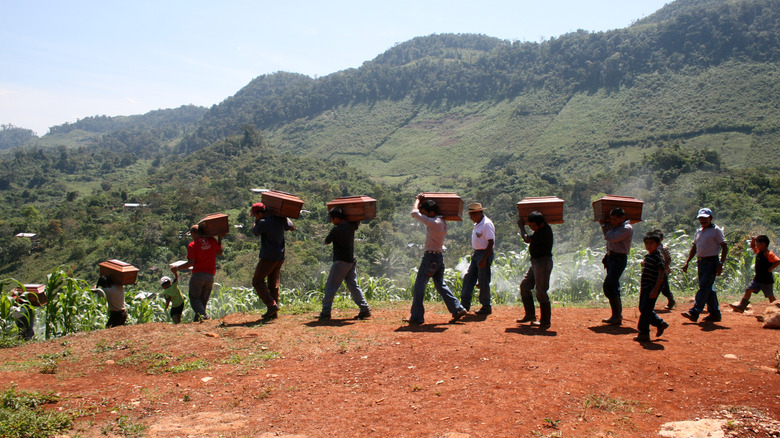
(343, 268)
(271, 230)
(538, 276)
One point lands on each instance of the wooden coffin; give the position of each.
(36, 294)
(550, 206)
(282, 204)
(450, 205)
(119, 271)
(632, 207)
(178, 263)
(214, 225)
(356, 208)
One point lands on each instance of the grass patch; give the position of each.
(607, 403)
(21, 416)
(199, 364)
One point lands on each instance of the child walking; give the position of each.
(650, 286)
(766, 262)
(667, 255)
(173, 296)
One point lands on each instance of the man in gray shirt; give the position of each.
(618, 233)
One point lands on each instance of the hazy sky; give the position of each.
(65, 60)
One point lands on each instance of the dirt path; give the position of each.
(477, 378)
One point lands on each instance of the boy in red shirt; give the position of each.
(766, 262)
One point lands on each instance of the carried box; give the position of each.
(214, 225)
(119, 271)
(282, 204)
(178, 263)
(550, 206)
(450, 204)
(36, 294)
(632, 207)
(356, 208)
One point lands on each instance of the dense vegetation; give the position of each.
(11, 136)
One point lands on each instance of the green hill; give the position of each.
(679, 109)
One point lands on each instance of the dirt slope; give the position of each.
(477, 378)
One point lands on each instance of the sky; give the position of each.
(61, 61)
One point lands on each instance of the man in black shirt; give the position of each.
(342, 235)
(538, 276)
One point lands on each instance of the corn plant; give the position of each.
(71, 306)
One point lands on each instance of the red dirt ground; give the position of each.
(476, 378)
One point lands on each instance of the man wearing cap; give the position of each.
(708, 242)
(483, 238)
(271, 230)
(432, 265)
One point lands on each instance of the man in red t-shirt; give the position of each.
(202, 255)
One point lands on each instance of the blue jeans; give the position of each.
(615, 265)
(476, 274)
(342, 272)
(432, 266)
(708, 270)
(647, 315)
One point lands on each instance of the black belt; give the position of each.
(612, 253)
(433, 252)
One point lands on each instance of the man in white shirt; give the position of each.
(708, 242)
(483, 238)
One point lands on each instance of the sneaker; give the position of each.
(527, 318)
(484, 311)
(272, 313)
(323, 316)
(670, 305)
(459, 315)
(364, 314)
(711, 318)
(690, 316)
(411, 321)
(544, 325)
(643, 337)
(661, 328)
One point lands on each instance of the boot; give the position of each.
(741, 306)
(530, 310)
(617, 312)
(546, 310)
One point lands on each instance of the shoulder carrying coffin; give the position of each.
(550, 206)
(119, 271)
(632, 207)
(450, 204)
(214, 225)
(282, 204)
(356, 208)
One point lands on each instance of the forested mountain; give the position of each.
(680, 109)
(11, 136)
